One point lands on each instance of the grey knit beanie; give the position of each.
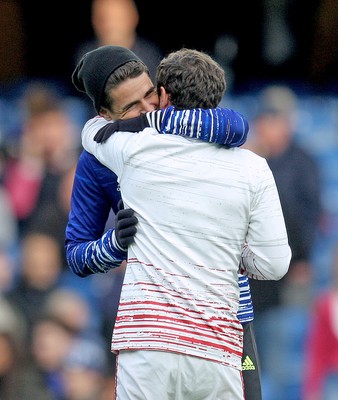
(93, 70)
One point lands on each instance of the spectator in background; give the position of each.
(42, 376)
(40, 271)
(45, 287)
(321, 345)
(115, 22)
(84, 371)
(75, 310)
(298, 181)
(40, 164)
(63, 365)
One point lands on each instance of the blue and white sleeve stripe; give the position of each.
(245, 311)
(218, 125)
(97, 256)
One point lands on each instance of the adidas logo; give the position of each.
(248, 364)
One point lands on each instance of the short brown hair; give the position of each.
(192, 79)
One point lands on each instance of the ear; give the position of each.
(105, 114)
(164, 98)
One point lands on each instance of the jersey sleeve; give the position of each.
(218, 125)
(245, 309)
(95, 193)
(266, 254)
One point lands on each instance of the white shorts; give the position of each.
(155, 375)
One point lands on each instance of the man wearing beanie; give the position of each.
(86, 81)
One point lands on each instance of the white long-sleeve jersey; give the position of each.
(203, 210)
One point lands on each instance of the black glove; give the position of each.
(136, 124)
(125, 228)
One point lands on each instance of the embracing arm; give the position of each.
(266, 254)
(95, 192)
(218, 125)
(91, 257)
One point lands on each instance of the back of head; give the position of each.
(192, 79)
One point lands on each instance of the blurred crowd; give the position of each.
(55, 328)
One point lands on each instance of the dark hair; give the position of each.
(192, 79)
(130, 70)
(93, 70)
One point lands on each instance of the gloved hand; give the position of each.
(125, 228)
(136, 124)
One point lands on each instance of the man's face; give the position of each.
(134, 97)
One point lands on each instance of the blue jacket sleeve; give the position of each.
(217, 125)
(95, 193)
